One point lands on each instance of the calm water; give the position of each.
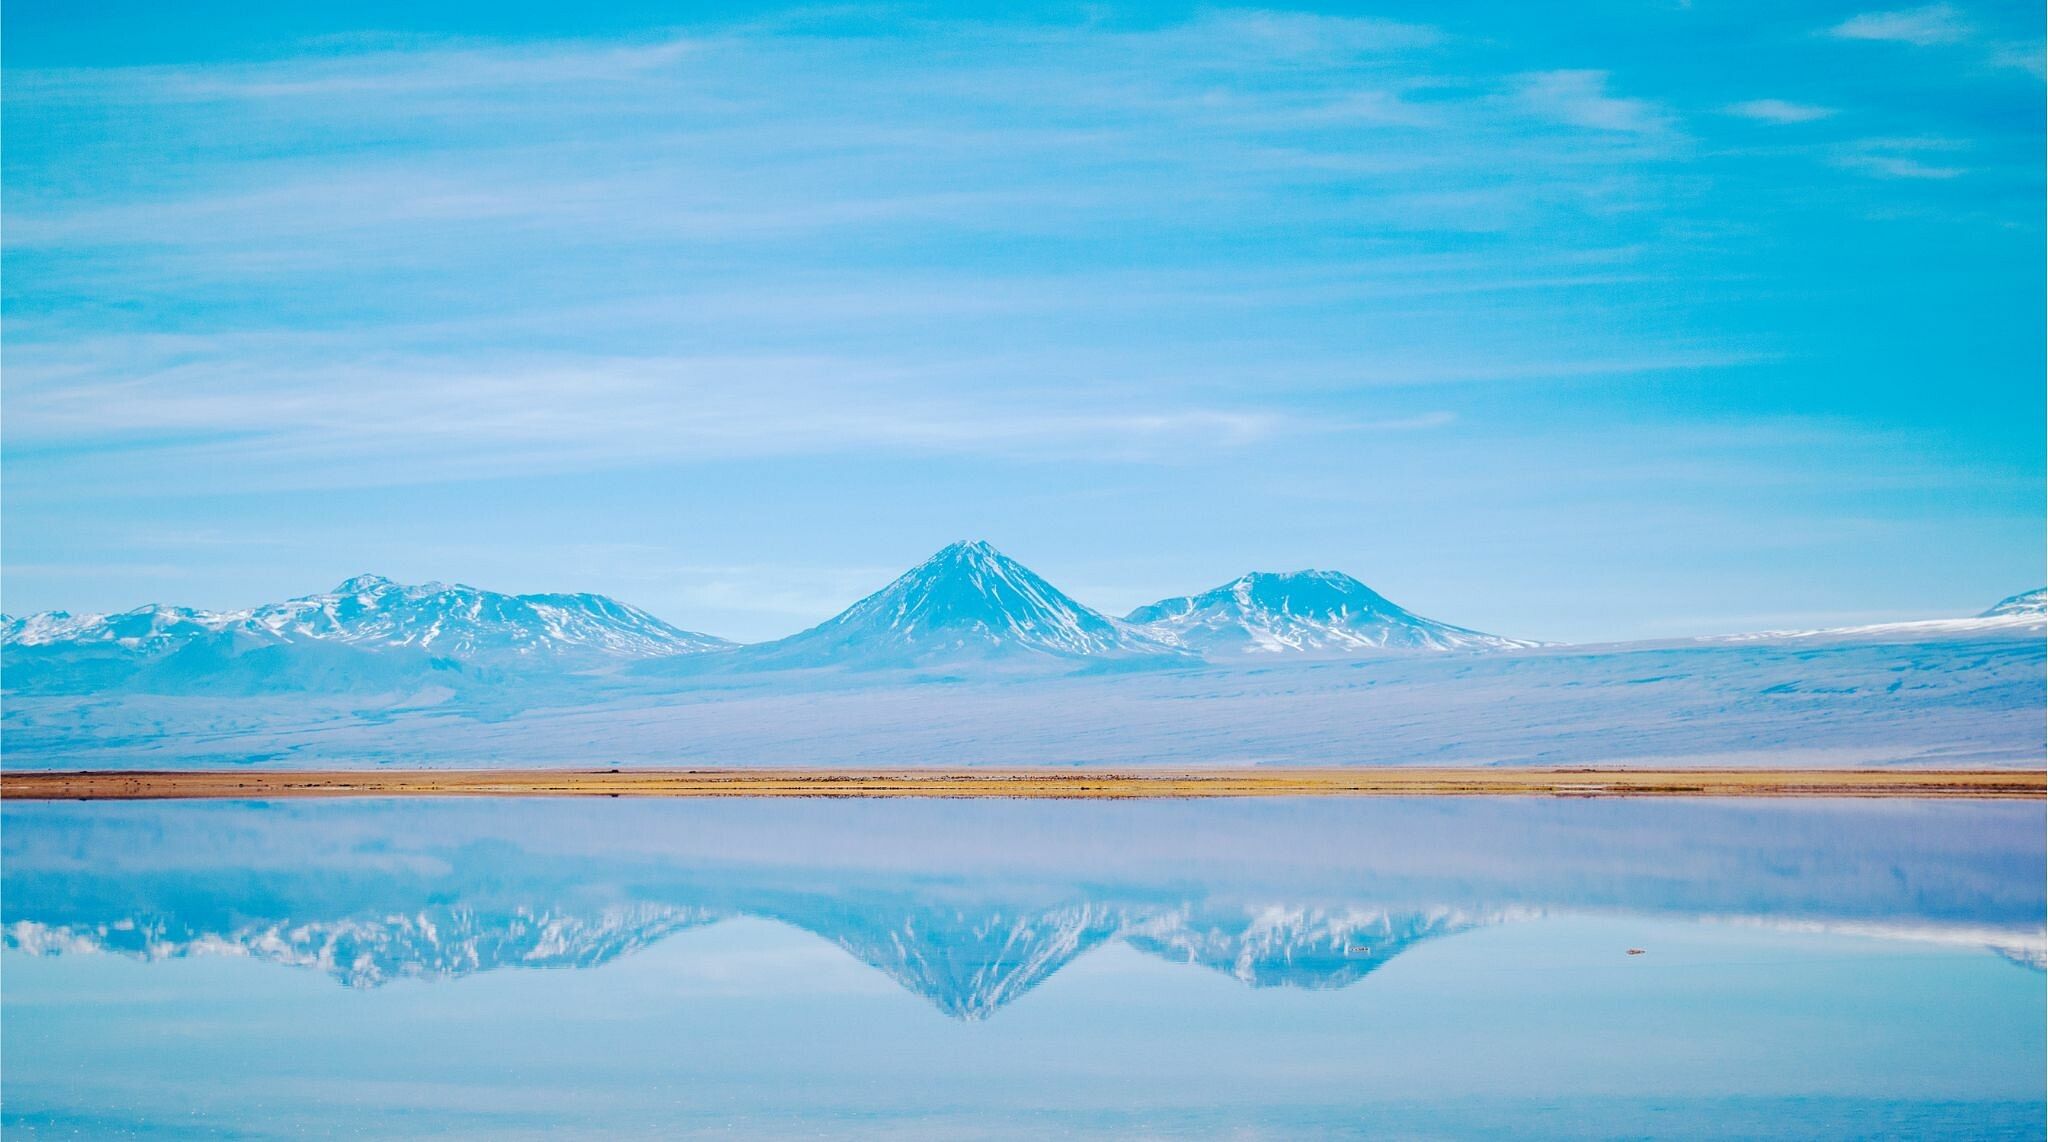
(1406, 967)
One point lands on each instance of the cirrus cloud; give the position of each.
(1922, 27)
(1779, 111)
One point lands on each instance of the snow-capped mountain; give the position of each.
(368, 633)
(2027, 603)
(466, 623)
(1324, 612)
(145, 630)
(454, 621)
(969, 602)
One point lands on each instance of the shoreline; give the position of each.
(1092, 784)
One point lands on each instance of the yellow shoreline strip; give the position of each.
(1368, 781)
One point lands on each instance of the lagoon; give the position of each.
(1406, 966)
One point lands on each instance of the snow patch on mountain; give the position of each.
(1322, 612)
(2032, 603)
(144, 630)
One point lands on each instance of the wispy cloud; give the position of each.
(2023, 55)
(1779, 111)
(450, 154)
(1933, 24)
(1255, 33)
(1580, 98)
(390, 418)
(421, 261)
(1940, 25)
(1907, 158)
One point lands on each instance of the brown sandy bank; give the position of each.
(1041, 783)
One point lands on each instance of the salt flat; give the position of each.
(1966, 697)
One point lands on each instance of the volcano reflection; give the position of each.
(973, 905)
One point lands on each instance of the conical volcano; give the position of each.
(969, 602)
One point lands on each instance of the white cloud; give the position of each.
(439, 71)
(301, 417)
(443, 261)
(433, 155)
(2024, 55)
(1580, 99)
(1301, 34)
(1907, 158)
(1779, 111)
(1934, 24)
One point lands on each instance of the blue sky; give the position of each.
(1669, 318)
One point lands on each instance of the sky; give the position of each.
(1671, 318)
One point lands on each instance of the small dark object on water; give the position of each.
(1635, 951)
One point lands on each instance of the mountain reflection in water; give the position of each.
(973, 904)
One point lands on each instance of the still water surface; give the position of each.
(1405, 967)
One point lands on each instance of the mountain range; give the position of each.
(969, 605)
(967, 612)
